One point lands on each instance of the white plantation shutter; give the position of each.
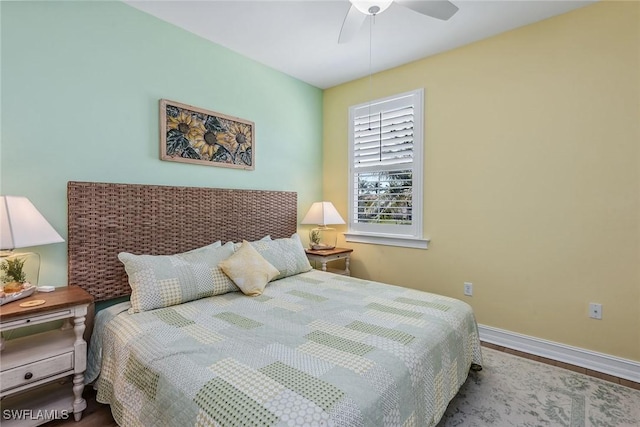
(383, 138)
(385, 154)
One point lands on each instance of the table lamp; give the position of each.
(322, 214)
(21, 226)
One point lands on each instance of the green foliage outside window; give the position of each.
(385, 197)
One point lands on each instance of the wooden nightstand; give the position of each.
(33, 368)
(328, 255)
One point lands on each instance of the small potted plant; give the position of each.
(13, 274)
(314, 238)
(15, 280)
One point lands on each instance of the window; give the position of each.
(385, 171)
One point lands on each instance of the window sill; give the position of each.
(388, 240)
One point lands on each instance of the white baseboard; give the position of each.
(612, 365)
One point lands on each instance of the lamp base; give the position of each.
(323, 238)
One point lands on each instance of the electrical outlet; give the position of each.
(468, 288)
(595, 311)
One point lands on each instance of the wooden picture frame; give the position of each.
(190, 134)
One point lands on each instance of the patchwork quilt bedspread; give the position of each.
(315, 349)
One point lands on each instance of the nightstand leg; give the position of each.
(324, 265)
(346, 266)
(66, 325)
(79, 404)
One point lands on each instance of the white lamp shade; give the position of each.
(364, 6)
(21, 225)
(322, 213)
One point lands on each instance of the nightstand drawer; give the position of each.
(328, 255)
(36, 319)
(36, 371)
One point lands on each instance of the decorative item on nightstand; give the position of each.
(21, 226)
(322, 214)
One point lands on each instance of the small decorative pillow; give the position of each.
(164, 280)
(287, 255)
(249, 270)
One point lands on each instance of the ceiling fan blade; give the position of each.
(439, 9)
(352, 23)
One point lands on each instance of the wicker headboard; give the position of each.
(105, 219)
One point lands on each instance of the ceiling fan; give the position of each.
(360, 9)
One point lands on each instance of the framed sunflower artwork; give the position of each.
(194, 135)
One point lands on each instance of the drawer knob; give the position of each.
(28, 376)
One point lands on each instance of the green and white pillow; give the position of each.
(164, 280)
(287, 255)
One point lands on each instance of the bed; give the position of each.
(314, 348)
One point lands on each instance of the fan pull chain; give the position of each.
(370, 62)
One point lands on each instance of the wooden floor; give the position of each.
(96, 414)
(99, 415)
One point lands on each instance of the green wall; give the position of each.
(80, 88)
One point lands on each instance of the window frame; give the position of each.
(391, 235)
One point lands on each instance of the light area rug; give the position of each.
(513, 391)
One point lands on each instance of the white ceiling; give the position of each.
(300, 37)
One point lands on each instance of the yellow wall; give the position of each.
(532, 183)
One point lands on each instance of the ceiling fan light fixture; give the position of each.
(360, 9)
(371, 7)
